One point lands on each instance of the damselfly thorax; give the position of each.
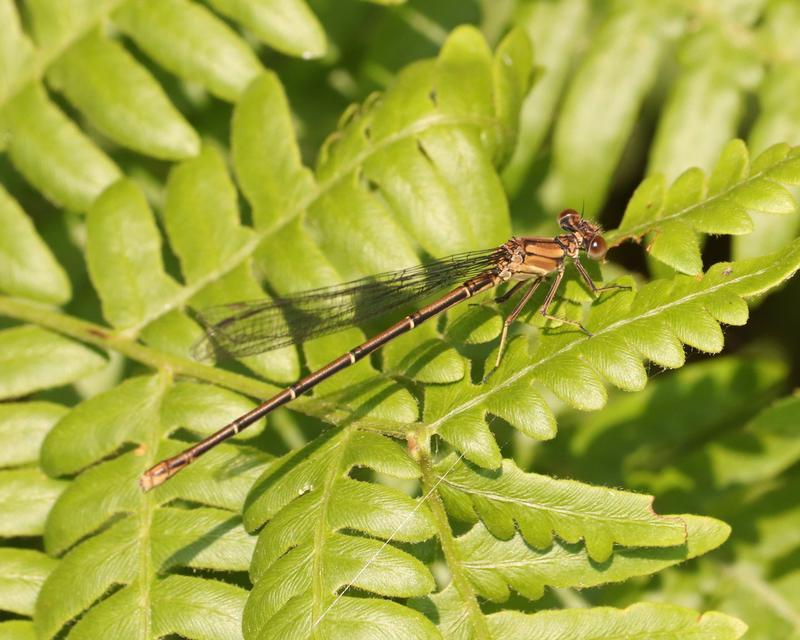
(246, 328)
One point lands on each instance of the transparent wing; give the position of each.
(250, 327)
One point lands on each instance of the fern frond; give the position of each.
(757, 453)
(114, 92)
(492, 564)
(719, 203)
(627, 328)
(32, 359)
(703, 450)
(541, 506)
(775, 431)
(102, 514)
(17, 630)
(639, 621)
(132, 256)
(51, 152)
(552, 29)
(117, 94)
(314, 519)
(715, 71)
(133, 551)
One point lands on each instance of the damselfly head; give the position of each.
(588, 234)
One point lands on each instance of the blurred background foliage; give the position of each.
(624, 89)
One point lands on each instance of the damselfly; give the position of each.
(247, 328)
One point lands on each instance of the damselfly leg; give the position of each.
(544, 310)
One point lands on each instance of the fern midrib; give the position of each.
(527, 370)
(322, 531)
(246, 251)
(637, 231)
(147, 573)
(480, 626)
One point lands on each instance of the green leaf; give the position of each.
(407, 175)
(361, 618)
(415, 167)
(541, 506)
(204, 231)
(23, 427)
(422, 355)
(32, 359)
(552, 28)
(51, 152)
(713, 78)
(17, 630)
(775, 432)
(203, 241)
(22, 573)
(265, 153)
(637, 622)
(720, 204)
(56, 24)
(188, 40)
(124, 246)
(760, 451)
(16, 52)
(355, 386)
(638, 434)
(590, 134)
(778, 110)
(644, 620)
(122, 99)
(286, 25)
(461, 420)
(27, 267)
(492, 564)
(125, 411)
(78, 580)
(26, 497)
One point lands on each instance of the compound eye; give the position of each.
(568, 219)
(597, 248)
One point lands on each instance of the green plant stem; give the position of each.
(147, 506)
(107, 339)
(429, 483)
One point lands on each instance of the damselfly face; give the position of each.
(587, 233)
